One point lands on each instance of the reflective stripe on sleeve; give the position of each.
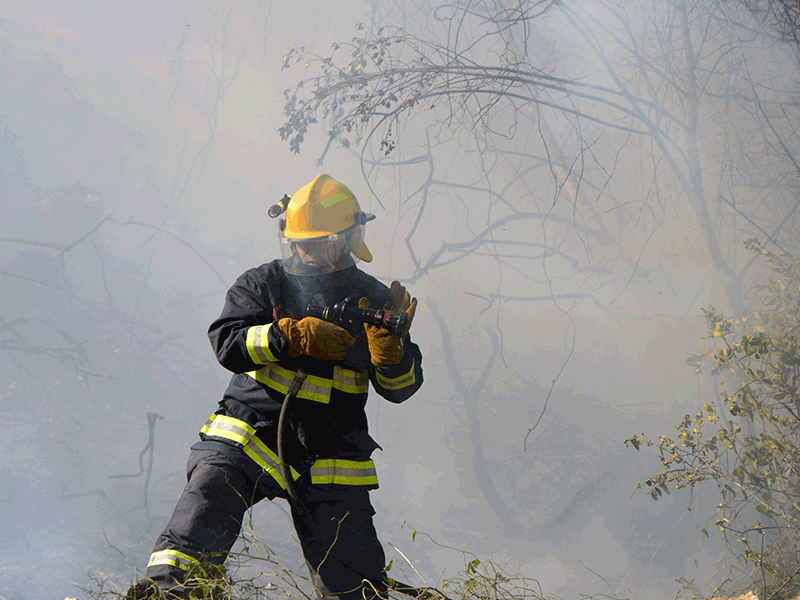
(279, 379)
(228, 428)
(258, 344)
(343, 472)
(173, 558)
(396, 383)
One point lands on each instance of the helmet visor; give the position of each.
(320, 255)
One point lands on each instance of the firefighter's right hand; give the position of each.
(315, 338)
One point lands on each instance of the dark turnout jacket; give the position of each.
(327, 432)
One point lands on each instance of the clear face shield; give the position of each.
(321, 255)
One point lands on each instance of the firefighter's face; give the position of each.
(322, 254)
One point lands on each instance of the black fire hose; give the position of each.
(294, 387)
(397, 586)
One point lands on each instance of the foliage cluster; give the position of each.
(369, 83)
(341, 83)
(749, 443)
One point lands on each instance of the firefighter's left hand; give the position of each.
(385, 348)
(400, 301)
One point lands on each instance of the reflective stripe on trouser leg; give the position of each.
(339, 471)
(208, 516)
(173, 558)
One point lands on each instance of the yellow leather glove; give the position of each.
(385, 348)
(400, 301)
(315, 338)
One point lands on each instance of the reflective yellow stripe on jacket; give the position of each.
(324, 471)
(343, 472)
(351, 382)
(314, 388)
(396, 383)
(267, 460)
(229, 428)
(173, 558)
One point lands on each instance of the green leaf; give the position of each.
(633, 441)
(472, 566)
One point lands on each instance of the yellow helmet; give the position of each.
(325, 214)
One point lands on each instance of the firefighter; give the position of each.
(263, 337)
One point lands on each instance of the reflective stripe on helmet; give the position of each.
(334, 199)
(396, 383)
(313, 388)
(343, 472)
(173, 558)
(257, 343)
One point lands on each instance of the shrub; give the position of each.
(747, 444)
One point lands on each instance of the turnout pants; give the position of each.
(335, 529)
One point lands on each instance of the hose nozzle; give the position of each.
(344, 313)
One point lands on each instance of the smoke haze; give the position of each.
(139, 153)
